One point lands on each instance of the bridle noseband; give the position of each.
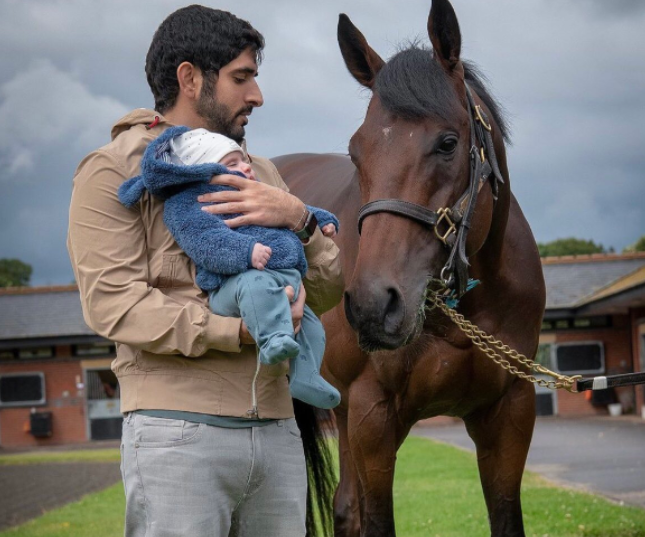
(456, 219)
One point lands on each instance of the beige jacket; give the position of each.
(138, 289)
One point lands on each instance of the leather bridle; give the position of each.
(456, 219)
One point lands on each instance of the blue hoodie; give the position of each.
(216, 250)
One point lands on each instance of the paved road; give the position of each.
(27, 491)
(600, 455)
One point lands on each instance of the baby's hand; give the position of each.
(329, 230)
(260, 256)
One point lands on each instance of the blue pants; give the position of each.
(258, 297)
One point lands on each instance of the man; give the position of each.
(210, 446)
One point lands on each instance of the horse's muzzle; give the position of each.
(378, 315)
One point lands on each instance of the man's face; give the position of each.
(225, 102)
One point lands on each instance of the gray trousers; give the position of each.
(185, 479)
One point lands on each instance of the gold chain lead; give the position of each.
(496, 350)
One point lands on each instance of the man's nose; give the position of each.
(254, 95)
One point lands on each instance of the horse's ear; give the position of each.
(443, 30)
(363, 63)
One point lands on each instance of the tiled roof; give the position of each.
(574, 280)
(38, 312)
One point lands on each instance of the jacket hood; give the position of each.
(145, 116)
(161, 177)
(140, 116)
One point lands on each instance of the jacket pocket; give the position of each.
(176, 271)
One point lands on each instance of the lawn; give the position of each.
(436, 494)
(35, 457)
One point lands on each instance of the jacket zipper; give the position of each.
(253, 412)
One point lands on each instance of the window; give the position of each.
(10, 354)
(545, 399)
(95, 349)
(577, 323)
(35, 353)
(22, 389)
(543, 355)
(580, 358)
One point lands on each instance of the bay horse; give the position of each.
(424, 150)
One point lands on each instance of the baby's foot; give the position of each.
(314, 390)
(278, 348)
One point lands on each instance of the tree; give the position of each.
(638, 246)
(14, 273)
(570, 246)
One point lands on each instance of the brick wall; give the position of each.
(638, 350)
(617, 342)
(63, 399)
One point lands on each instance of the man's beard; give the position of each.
(219, 117)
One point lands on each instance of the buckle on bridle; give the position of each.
(446, 277)
(480, 117)
(444, 215)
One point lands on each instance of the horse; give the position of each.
(423, 196)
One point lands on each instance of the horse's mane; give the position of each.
(412, 85)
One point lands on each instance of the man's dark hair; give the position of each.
(207, 38)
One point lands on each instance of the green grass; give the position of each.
(36, 457)
(95, 515)
(436, 494)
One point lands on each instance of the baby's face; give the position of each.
(235, 162)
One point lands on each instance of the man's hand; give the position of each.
(297, 307)
(260, 256)
(259, 204)
(297, 312)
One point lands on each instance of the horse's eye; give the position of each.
(448, 145)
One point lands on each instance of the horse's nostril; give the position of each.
(348, 310)
(394, 311)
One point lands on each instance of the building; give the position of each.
(594, 324)
(56, 385)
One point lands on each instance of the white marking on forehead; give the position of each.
(386, 131)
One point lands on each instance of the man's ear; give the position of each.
(190, 80)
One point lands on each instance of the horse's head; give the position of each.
(414, 146)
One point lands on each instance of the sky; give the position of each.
(571, 76)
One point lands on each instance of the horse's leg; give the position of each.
(373, 440)
(346, 500)
(502, 434)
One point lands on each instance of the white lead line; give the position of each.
(599, 383)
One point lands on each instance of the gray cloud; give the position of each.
(614, 8)
(571, 74)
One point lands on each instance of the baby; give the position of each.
(244, 270)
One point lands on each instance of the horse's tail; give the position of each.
(313, 424)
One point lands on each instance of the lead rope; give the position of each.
(500, 353)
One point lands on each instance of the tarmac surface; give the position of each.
(602, 455)
(29, 490)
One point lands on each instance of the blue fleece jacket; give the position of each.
(216, 250)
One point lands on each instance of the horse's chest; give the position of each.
(433, 369)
